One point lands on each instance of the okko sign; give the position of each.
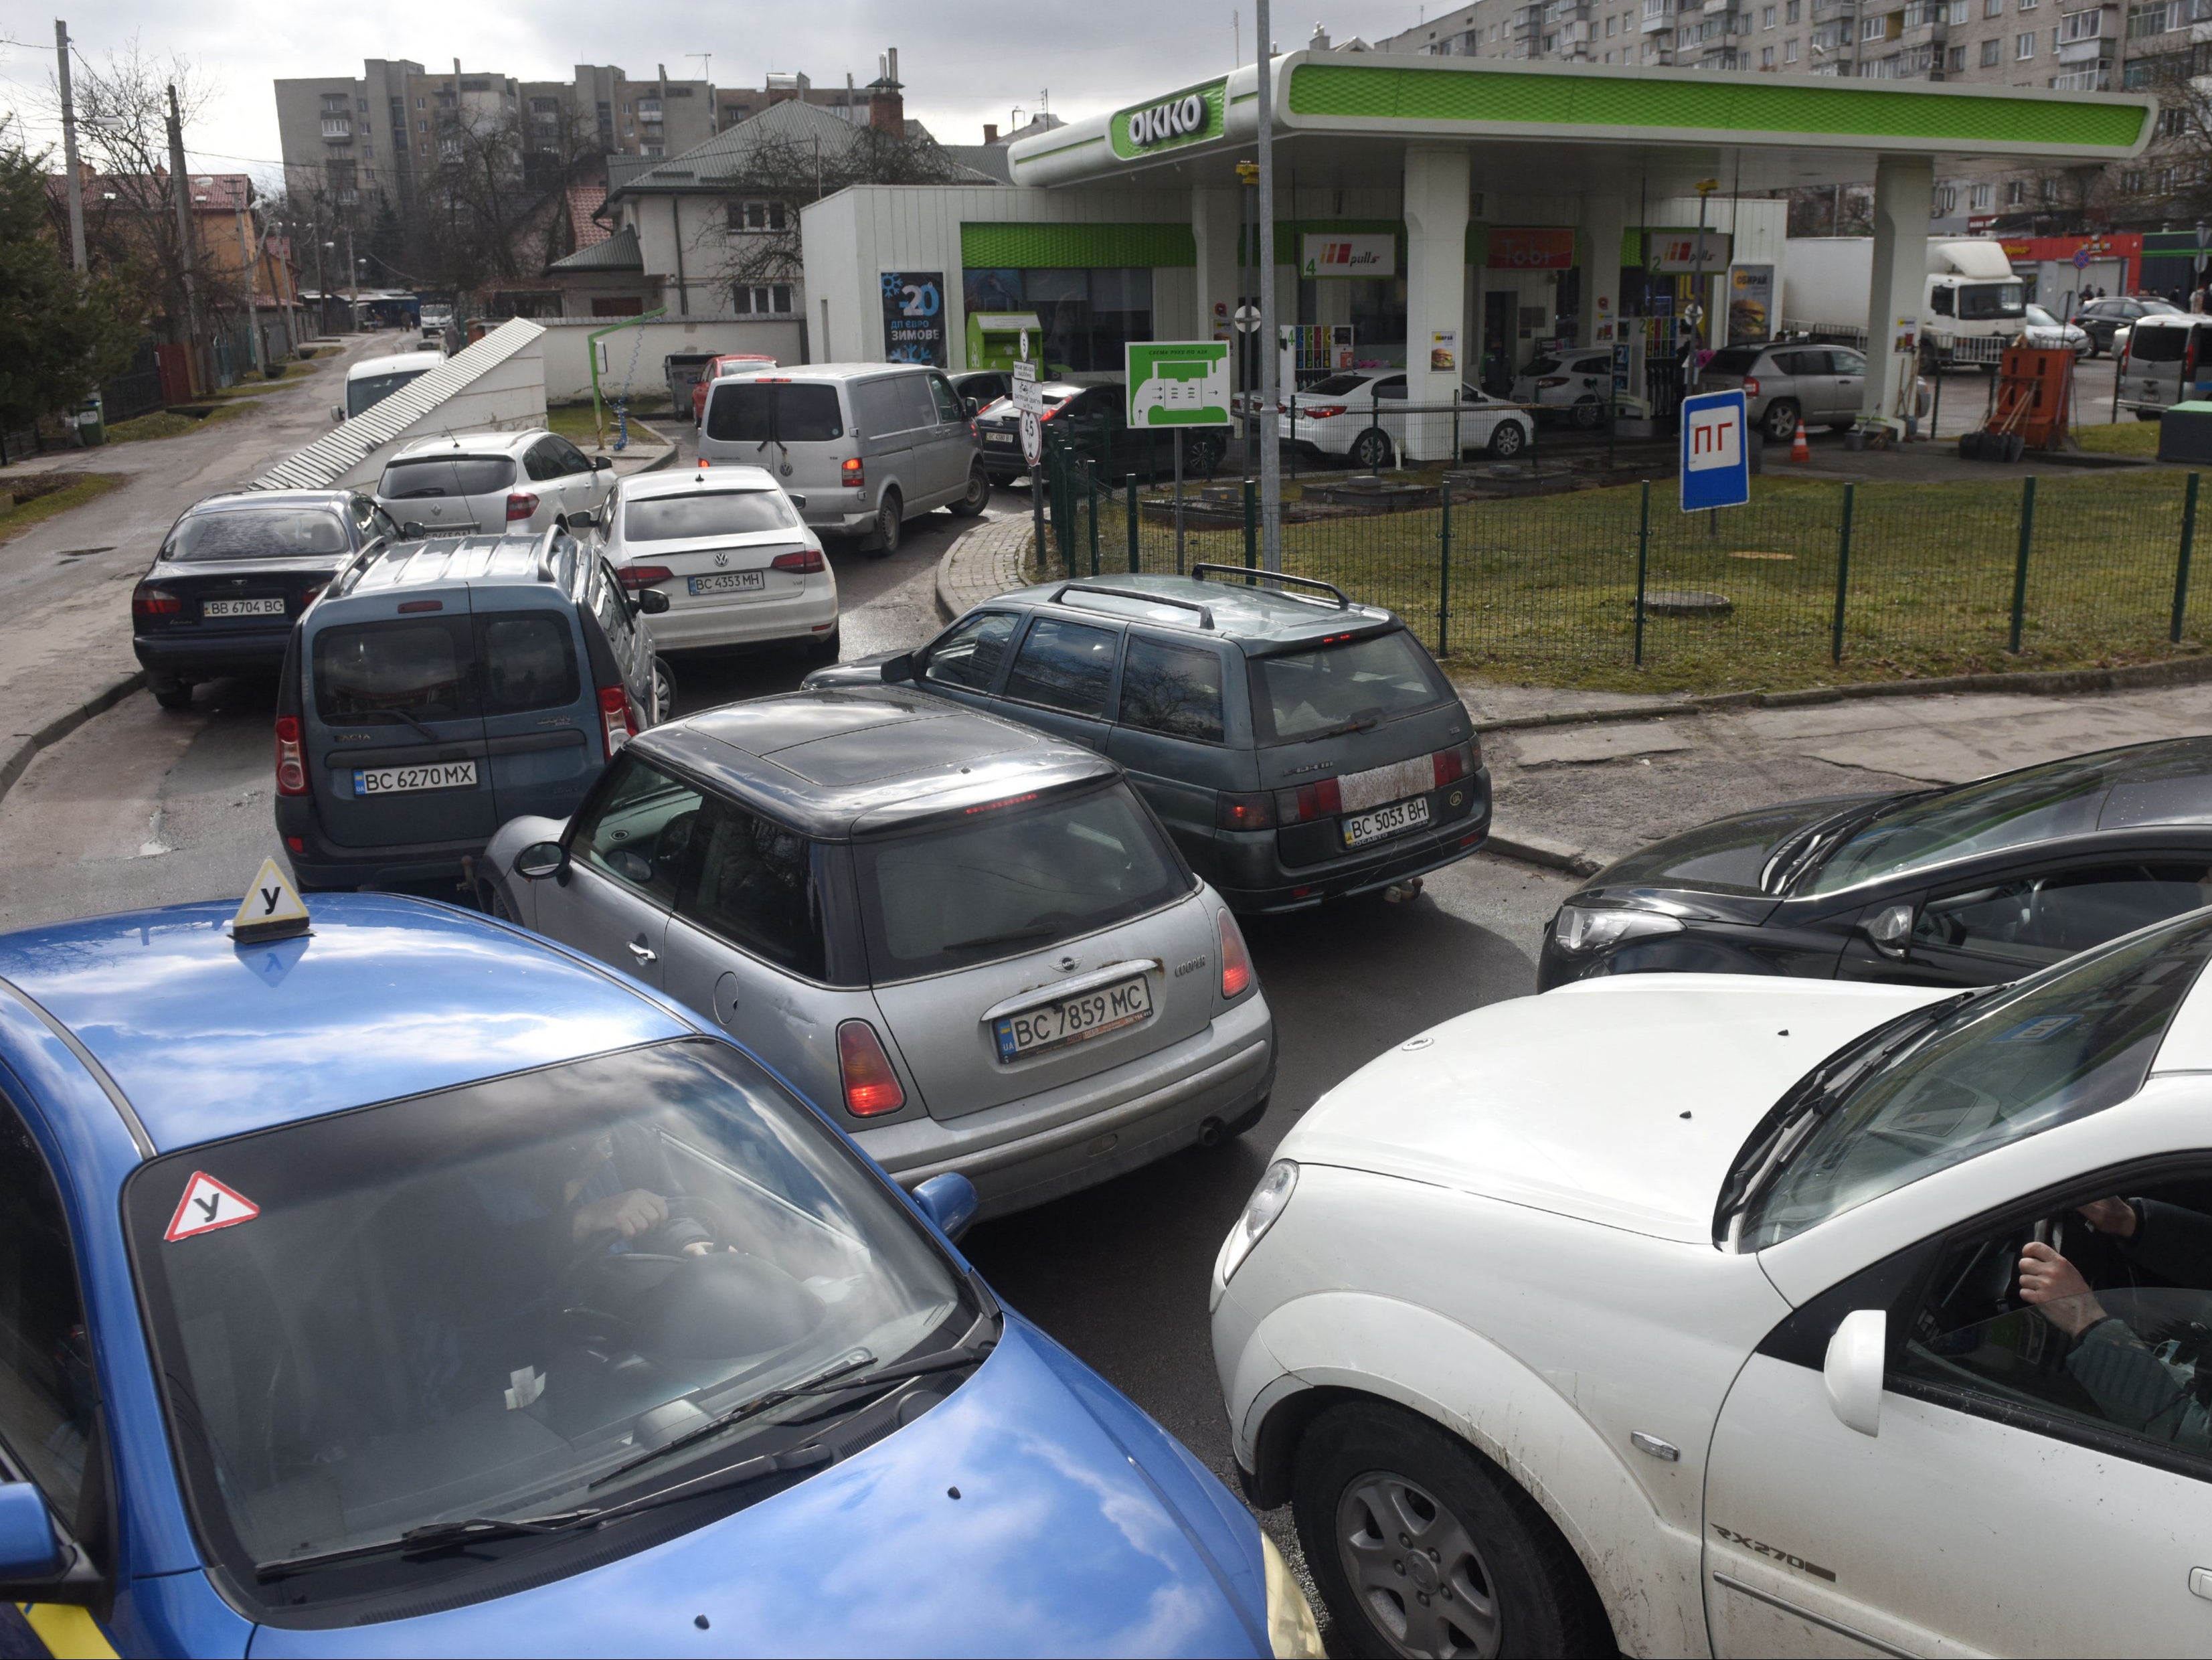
(1716, 458)
(913, 317)
(1179, 118)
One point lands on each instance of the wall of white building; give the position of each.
(638, 355)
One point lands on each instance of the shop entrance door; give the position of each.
(1498, 367)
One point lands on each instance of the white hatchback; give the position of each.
(1717, 1315)
(727, 547)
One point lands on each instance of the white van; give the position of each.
(373, 380)
(2167, 360)
(865, 446)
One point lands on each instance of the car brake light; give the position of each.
(1455, 763)
(851, 474)
(147, 600)
(643, 576)
(1751, 385)
(520, 504)
(807, 559)
(1245, 812)
(1235, 961)
(1553, 380)
(291, 769)
(1322, 411)
(1324, 799)
(308, 596)
(614, 712)
(871, 1088)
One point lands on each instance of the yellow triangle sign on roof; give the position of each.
(272, 908)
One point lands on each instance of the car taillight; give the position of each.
(308, 596)
(147, 600)
(1553, 380)
(1457, 763)
(291, 769)
(851, 474)
(520, 504)
(1751, 385)
(871, 1088)
(1245, 812)
(806, 560)
(1323, 800)
(614, 712)
(1322, 411)
(644, 576)
(1235, 961)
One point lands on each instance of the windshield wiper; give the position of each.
(768, 1400)
(391, 714)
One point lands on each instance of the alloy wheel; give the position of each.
(1415, 1568)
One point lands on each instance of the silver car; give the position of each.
(970, 943)
(492, 484)
(1790, 384)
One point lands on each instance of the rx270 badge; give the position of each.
(1772, 1553)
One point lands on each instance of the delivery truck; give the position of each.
(1970, 309)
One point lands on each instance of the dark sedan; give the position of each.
(1965, 886)
(234, 574)
(1094, 422)
(2101, 318)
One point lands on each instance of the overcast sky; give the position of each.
(964, 62)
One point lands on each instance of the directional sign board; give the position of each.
(1027, 398)
(1178, 383)
(1715, 459)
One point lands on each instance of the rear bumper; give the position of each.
(809, 615)
(215, 654)
(1027, 1152)
(319, 862)
(1252, 877)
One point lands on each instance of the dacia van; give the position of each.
(443, 686)
(865, 446)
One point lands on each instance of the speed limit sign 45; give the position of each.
(1032, 437)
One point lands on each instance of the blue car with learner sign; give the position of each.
(412, 1286)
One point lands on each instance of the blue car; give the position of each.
(417, 1286)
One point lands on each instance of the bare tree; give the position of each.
(492, 210)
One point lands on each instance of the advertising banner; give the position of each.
(1443, 351)
(1357, 254)
(1539, 248)
(1751, 305)
(913, 317)
(1676, 252)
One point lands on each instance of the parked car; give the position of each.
(442, 687)
(1789, 384)
(2099, 319)
(2164, 361)
(728, 362)
(998, 430)
(866, 446)
(489, 482)
(1092, 421)
(1700, 1314)
(2046, 332)
(973, 939)
(233, 575)
(1299, 747)
(727, 548)
(1573, 384)
(373, 380)
(1359, 415)
(415, 1287)
(984, 387)
(1964, 886)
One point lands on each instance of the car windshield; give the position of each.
(715, 512)
(1988, 299)
(763, 411)
(1997, 1066)
(370, 389)
(258, 533)
(1336, 385)
(2160, 309)
(2164, 343)
(2040, 318)
(432, 475)
(492, 1301)
(1307, 693)
(1008, 878)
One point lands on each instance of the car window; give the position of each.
(710, 512)
(567, 457)
(1733, 360)
(529, 660)
(1303, 693)
(258, 533)
(759, 412)
(917, 400)
(969, 654)
(446, 475)
(1844, 361)
(756, 886)
(1336, 385)
(877, 407)
(1393, 387)
(2033, 921)
(538, 461)
(416, 667)
(1175, 689)
(1064, 665)
(611, 606)
(949, 406)
(2159, 344)
(47, 1385)
(642, 829)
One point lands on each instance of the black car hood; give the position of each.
(1714, 870)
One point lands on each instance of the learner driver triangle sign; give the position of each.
(208, 1205)
(272, 908)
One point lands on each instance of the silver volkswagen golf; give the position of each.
(970, 942)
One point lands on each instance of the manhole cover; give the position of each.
(1687, 602)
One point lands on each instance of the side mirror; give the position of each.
(414, 530)
(582, 519)
(950, 1201)
(28, 1548)
(899, 669)
(974, 406)
(1889, 929)
(337, 411)
(1852, 1370)
(539, 860)
(602, 463)
(651, 601)
(796, 500)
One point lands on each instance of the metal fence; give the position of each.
(1882, 579)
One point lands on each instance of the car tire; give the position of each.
(1508, 440)
(890, 524)
(1588, 415)
(1779, 423)
(1495, 1560)
(172, 694)
(1372, 450)
(664, 690)
(978, 497)
(496, 905)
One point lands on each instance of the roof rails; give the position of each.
(1205, 615)
(1343, 600)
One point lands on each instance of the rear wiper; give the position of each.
(1013, 937)
(850, 1361)
(391, 714)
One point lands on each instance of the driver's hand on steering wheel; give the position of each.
(628, 1215)
(2114, 1216)
(2054, 1287)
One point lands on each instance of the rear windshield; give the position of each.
(258, 533)
(2161, 344)
(1338, 385)
(723, 513)
(375, 388)
(999, 882)
(1736, 359)
(756, 412)
(1309, 693)
(446, 475)
(1543, 365)
(420, 669)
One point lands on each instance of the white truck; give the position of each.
(1971, 308)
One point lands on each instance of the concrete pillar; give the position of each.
(1436, 178)
(1213, 226)
(1902, 188)
(1605, 220)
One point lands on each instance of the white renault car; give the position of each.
(727, 546)
(1718, 1314)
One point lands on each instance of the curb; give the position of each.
(63, 725)
(948, 607)
(1529, 849)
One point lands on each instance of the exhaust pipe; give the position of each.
(1399, 892)
(1209, 1133)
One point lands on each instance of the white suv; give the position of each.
(495, 482)
(1714, 1315)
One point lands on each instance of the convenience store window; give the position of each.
(1088, 314)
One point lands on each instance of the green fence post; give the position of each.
(1642, 562)
(1843, 577)
(1443, 570)
(1091, 503)
(1252, 526)
(2181, 566)
(1129, 512)
(2020, 565)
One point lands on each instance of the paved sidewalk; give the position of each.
(986, 561)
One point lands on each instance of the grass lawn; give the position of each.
(1542, 591)
(2128, 437)
(574, 423)
(88, 487)
(164, 424)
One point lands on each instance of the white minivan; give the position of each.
(2165, 361)
(373, 380)
(865, 446)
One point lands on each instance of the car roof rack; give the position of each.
(1343, 599)
(1205, 613)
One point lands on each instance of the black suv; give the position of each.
(1093, 421)
(1298, 746)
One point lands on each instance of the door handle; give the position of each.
(643, 953)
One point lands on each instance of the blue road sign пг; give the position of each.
(1715, 459)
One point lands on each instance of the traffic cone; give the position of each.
(1799, 449)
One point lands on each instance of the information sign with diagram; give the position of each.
(1178, 383)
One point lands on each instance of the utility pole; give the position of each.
(352, 285)
(1271, 449)
(249, 267)
(188, 243)
(68, 148)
